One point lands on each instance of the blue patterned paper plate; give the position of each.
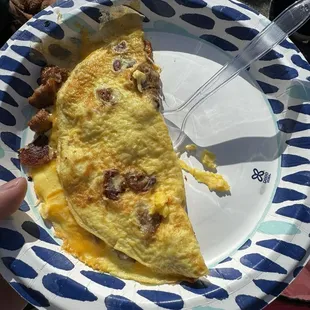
(256, 240)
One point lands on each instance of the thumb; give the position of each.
(11, 196)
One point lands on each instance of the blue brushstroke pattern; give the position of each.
(37, 232)
(19, 268)
(297, 271)
(227, 13)
(53, 258)
(63, 4)
(301, 108)
(163, 299)
(284, 194)
(288, 125)
(288, 45)
(7, 118)
(244, 6)
(25, 35)
(93, 13)
(49, 27)
(259, 262)
(208, 290)
(272, 55)
(6, 175)
(65, 287)
(7, 98)
(303, 142)
(16, 162)
(10, 239)
(246, 245)
(296, 211)
(102, 2)
(298, 61)
(13, 65)
(159, 7)
(225, 273)
(117, 302)
(195, 4)
(30, 54)
(198, 20)
(267, 88)
(104, 279)
(242, 33)
(219, 42)
(43, 13)
(24, 207)
(4, 47)
(228, 259)
(280, 72)
(288, 160)
(11, 140)
(285, 248)
(21, 87)
(246, 302)
(34, 297)
(300, 177)
(269, 287)
(276, 105)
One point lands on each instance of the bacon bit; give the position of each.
(41, 122)
(36, 153)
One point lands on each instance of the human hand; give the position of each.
(11, 197)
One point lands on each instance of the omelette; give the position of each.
(115, 160)
(109, 180)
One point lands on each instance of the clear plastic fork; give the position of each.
(277, 31)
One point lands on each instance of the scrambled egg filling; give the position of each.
(214, 181)
(208, 160)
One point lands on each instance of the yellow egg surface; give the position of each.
(78, 241)
(109, 131)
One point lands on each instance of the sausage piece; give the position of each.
(36, 153)
(41, 122)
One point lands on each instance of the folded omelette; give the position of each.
(119, 186)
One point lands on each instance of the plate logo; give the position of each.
(261, 176)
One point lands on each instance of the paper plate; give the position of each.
(256, 239)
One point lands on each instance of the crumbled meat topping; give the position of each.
(36, 153)
(151, 78)
(121, 47)
(113, 184)
(139, 181)
(41, 122)
(117, 65)
(60, 75)
(149, 223)
(106, 95)
(121, 64)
